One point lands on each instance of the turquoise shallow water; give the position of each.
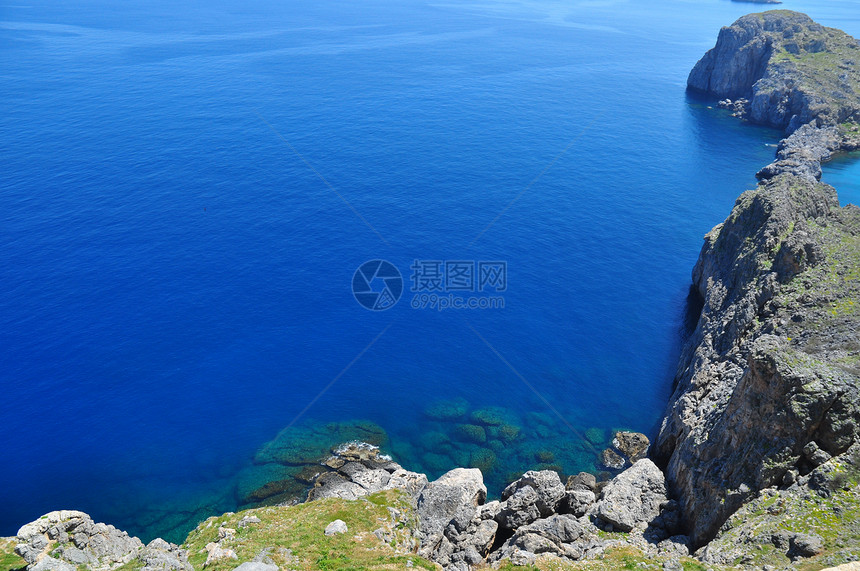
(843, 173)
(176, 275)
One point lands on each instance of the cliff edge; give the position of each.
(768, 387)
(783, 70)
(760, 443)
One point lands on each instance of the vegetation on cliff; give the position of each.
(784, 70)
(760, 442)
(9, 560)
(294, 537)
(768, 388)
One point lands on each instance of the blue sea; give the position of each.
(187, 190)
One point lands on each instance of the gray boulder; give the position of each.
(51, 564)
(75, 538)
(466, 541)
(633, 445)
(675, 546)
(456, 493)
(612, 459)
(562, 535)
(805, 545)
(626, 448)
(533, 496)
(256, 566)
(248, 520)
(336, 527)
(582, 481)
(578, 502)
(215, 552)
(160, 555)
(633, 499)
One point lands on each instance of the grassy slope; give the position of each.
(294, 536)
(8, 560)
(836, 519)
(823, 73)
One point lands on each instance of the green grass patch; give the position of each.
(9, 561)
(294, 537)
(615, 559)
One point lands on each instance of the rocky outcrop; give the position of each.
(634, 499)
(802, 153)
(357, 469)
(456, 494)
(626, 448)
(67, 540)
(285, 467)
(536, 516)
(785, 69)
(767, 386)
(765, 372)
(561, 535)
(159, 555)
(531, 497)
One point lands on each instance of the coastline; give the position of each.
(741, 362)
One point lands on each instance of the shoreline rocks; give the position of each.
(761, 434)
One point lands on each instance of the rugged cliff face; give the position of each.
(768, 386)
(760, 441)
(774, 363)
(783, 69)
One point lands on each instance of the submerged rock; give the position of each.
(452, 409)
(596, 436)
(509, 432)
(483, 459)
(490, 416)
(471, 433)
(299, 446)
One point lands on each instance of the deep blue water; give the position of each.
(175, 277)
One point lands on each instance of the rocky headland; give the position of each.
(757, 461)
(781, 69)
(767, 387)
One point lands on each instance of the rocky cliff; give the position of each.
(760, 443)
(783, 70)
(768, 387)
